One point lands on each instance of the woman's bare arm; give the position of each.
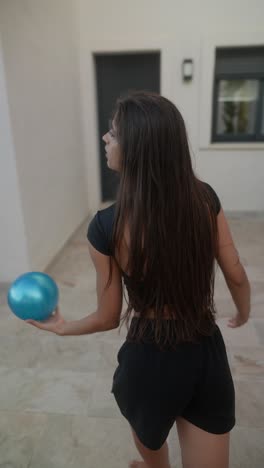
(233, 271)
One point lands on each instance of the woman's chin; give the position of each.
(109, 166)
(113, 168)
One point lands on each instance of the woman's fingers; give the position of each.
(232, 323)
(236, 322)
(50, 324)
(34, 323)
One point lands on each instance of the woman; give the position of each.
(163, 236)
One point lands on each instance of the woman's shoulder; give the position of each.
(100, 229)
(107, 214)
(214, 196)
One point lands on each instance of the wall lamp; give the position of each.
(187, 69)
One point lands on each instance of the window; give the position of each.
(238, 101)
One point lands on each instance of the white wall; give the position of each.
(13, 247)
(41, 58)
(179, 30)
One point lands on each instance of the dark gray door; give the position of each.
(115, 74)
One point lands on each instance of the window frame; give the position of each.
(257, 136)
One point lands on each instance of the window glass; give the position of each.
(262, 115)
(237, 107)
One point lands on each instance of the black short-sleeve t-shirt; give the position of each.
(100, 229)
(215, 198)
(101, 226)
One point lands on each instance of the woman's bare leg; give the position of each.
(201, 449)
(151, 458)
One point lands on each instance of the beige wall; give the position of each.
(171, 19)
(179, 30)
(13, 246)
(41, 59)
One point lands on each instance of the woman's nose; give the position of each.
(104, 137)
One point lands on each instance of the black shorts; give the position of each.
(152, 387)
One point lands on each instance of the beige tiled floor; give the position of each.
(56, 408)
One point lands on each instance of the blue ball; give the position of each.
(33, 295)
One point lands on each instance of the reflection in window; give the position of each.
(237, 105)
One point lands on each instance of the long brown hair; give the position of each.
(171, 218)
